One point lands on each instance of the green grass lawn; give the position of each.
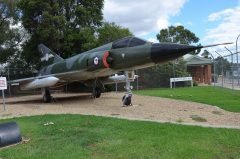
(224, 98)
(78, 136)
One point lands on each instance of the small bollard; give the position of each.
(9, 134)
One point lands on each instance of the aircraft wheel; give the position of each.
(96, 92)
(47, 96)
(127, 100)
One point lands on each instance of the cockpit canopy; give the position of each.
(128, 42)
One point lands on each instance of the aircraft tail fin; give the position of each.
(48, 56)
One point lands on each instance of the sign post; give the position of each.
(3, 86)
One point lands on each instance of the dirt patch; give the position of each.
(198, 118)
(144, 108)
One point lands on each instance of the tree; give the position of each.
(110, 32)
(159, 75)
(66, 26)
(177, 34)
(10, 36)
(206, 54)
(220, 63)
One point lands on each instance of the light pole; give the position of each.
(237, 56)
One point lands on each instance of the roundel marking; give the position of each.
(123, 55)
(95, 60)
(105, 56)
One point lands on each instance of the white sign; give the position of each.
(180, 79)
(3, 83)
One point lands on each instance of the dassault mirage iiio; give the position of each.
(95, 67)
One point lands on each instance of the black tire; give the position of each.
(47, 98)
(127, 100)
(123, 98)
(96, 93)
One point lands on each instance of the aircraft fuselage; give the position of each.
(91, 65)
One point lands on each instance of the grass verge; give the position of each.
(77, 136)
(224, 98)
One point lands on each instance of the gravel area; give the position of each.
(144, 108)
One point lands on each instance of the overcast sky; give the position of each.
(213, 21)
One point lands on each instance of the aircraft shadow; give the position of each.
(55, 99)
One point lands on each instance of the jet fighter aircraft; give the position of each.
(95, 67)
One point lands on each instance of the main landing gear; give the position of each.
(96, 93)
(127, 98)
(47, 98)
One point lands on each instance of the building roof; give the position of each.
(194, 60)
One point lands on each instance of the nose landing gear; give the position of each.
(127, 98)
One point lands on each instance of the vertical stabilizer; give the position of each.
(48, 56)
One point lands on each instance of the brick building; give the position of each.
(199, 68)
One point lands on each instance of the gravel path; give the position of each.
(144, 108)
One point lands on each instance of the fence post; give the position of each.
(237, 56)
(222, 66)
(232, 66)
(213, 70)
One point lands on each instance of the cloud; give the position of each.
(218, 15)
(154, 40)
(228, 26)
(141, 16)
(178, 24)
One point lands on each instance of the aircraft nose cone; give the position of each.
(166, 52)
